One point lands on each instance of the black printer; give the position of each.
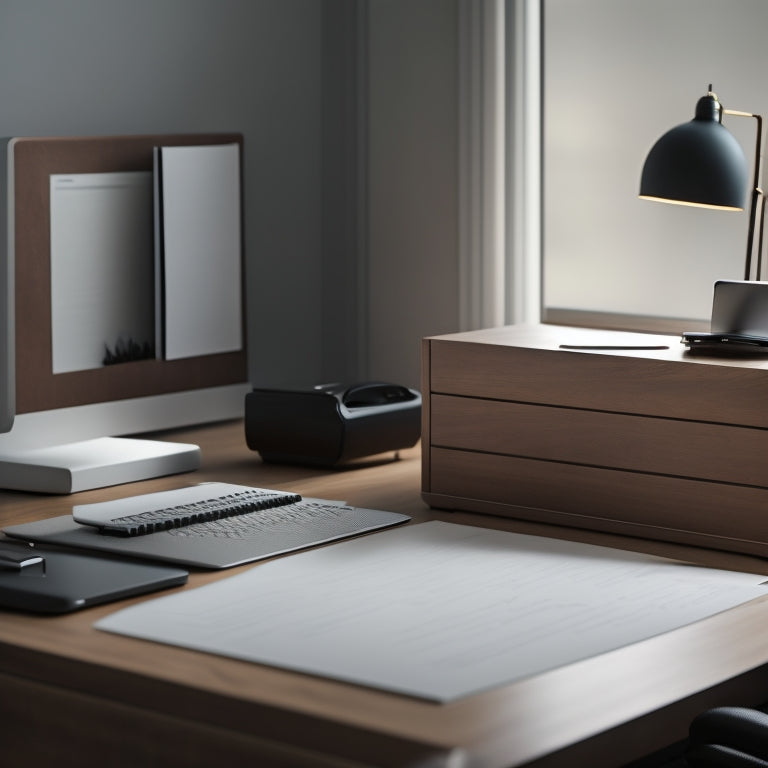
(331, 425)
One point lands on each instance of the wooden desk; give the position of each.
(70, 695)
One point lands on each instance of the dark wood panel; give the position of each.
(694, 512)
(37, 388)
(426, 411)
(67, 725)
(508, 365)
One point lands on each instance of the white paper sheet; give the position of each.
(201, 250)
(438, 610)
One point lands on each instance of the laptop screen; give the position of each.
(740, 306)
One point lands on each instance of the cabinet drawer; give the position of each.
(679, 388)
(693, 512)
(716, 452)
(610, 431)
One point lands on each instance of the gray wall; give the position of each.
(413, 181)
(91, 67)
(328, 295)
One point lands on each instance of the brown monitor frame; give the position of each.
(37, 387)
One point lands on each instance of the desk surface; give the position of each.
(68, 691)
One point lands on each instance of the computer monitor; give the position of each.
(64, 419)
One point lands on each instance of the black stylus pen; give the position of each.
(15, 561)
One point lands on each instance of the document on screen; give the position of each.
(102, 281)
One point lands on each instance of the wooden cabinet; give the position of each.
(650, 442)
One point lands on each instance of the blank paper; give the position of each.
(437, 610)
(199, 275)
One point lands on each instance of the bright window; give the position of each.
(617, 74)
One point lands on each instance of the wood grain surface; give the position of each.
(70, 695)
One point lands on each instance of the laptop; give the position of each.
(739, 319)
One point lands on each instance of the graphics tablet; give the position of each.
(216, 544)
(59, 582)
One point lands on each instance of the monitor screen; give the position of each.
(90, 284)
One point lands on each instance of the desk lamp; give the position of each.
(700, 163)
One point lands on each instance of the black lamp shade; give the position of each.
(699, 163)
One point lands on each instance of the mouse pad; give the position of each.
(67, 581)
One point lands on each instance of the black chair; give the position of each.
(729, 737)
